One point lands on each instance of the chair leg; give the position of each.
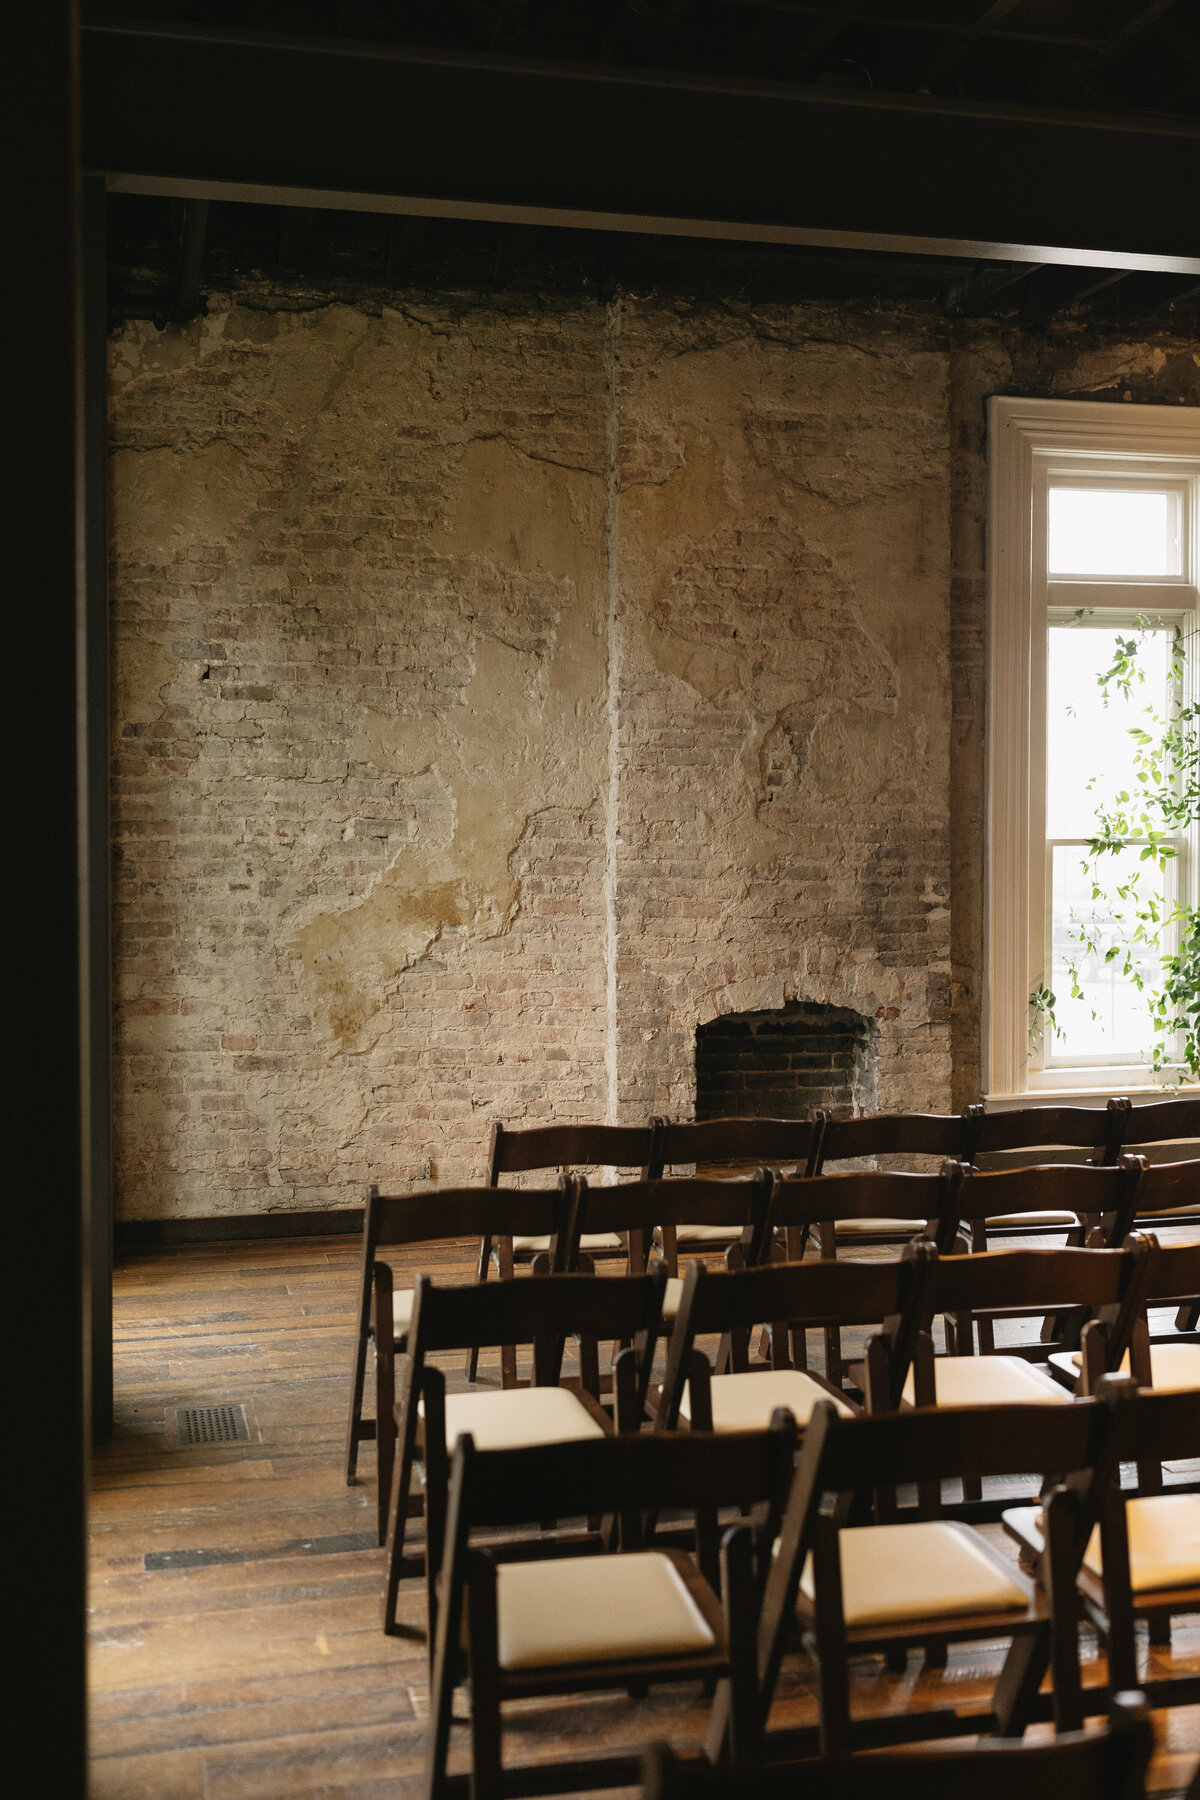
(1020, 1678)
(1159, 1622)
(1188, 1316)
(482, 1264)
(508, 1352)
(441, 1699)
(399, 1513)
(487, 1780)
(354, 1424)
(385, 1437)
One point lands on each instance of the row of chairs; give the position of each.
(809, 1559)
(418, 1423)
(809, 1146)
(758, 1216)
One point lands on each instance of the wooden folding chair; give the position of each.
(1166, 1131)
(864, 1207)
(1090, 1204)
(1106, 1285)
(1166, 1364)
(1143, 1560)
(1079, 1765)
(789, 1297)
(1169, 1195)
(736, 1144)
(638, 1210)
(1056, 1133)
(930, 1581)
(565, 1148)
(895, 1134)
(542, 1312)
(641, 1616)
(391, 1221)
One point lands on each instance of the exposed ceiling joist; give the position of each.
(388, 128)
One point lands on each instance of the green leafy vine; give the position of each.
(1156, 943)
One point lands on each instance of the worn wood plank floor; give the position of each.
(235, 1644)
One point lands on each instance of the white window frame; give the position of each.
(1030, 441)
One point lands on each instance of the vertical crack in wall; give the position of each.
(612, 354)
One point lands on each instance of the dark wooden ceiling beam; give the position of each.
(387, 128)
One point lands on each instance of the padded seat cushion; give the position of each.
(990, 1381)
(1064, 1219)
(1164, 1540)
(591, 1240)
(517, 1418)
(587, 1609)
(932, 1570)
(746, 1402)
(1173, 1367)
(707, 1234)
(897, 1228)
(402, 1305)
(1164, 1543)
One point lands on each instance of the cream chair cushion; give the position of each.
(1164, 1540)
(932, 1570)
(591, 1240)
(1065, 1220)
(746, 1402)
(1164, 1543)
(707, 1234)
(1173, 1367)
(586, 1609)
(517, 1418)
(402, 1305)
(899, 1228)
(672, 1296)
(990, 1381)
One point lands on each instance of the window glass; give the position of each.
(1112, 1019)
(1089, 753)
(1113, 531)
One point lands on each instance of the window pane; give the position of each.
(1121, 1027)
(1112, 531)
(1089, 753)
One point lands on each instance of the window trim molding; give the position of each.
(1018, 431)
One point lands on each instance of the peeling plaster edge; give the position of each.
(612, 353)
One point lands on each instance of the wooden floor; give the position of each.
(236, 1652)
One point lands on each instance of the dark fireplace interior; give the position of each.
(783, 1063)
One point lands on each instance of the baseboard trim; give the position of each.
(160, 1234)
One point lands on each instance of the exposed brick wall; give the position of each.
(504, 692)
(782, 1064)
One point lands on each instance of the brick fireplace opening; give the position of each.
(782, 1063)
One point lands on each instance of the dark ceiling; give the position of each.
(1095, 56)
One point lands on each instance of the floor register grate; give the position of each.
(212, 1424)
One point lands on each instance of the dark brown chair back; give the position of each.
(706, 1142)
(567, 1147)
(1173, 1122)
(1098, 1130)
(805, 1201)
(1078, 1188)
(795, 1295)
(896, 1134)
(1167, 1187)
(636, 1209)
(1093, 1765)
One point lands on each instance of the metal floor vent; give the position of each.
(212, 1424)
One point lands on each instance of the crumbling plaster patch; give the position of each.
(527, 736)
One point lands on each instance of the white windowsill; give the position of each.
(1146, 1091)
